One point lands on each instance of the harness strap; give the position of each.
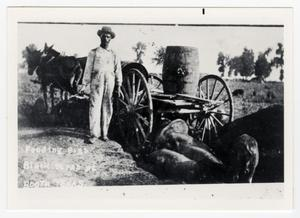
(51, 59)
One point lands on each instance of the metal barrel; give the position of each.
(181, 70)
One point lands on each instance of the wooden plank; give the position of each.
(179, 111)
(189, 97)
(162, 96)
(198, 100)
(174, 102)
(189, 111)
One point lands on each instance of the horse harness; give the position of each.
(56, 81)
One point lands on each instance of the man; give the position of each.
(102, 73)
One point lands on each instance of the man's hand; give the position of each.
(119, 92)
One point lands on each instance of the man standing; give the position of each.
(102, 73)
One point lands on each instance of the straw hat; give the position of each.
(106, 29)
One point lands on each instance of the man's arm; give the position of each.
(86, 80)
(118, 72)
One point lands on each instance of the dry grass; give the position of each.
(256, 96)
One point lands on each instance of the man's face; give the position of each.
(105, 38)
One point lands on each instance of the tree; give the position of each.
(29, 49)
(247, 60)
(139, 49)
(27, 54)
(222, 61)
(159, 55)
(243, 65)
(235, 65)
(262, 65)
(278, 60)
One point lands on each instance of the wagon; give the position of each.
(203, 101)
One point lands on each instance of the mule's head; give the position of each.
(48, 54)
(33, 58)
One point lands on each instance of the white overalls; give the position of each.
(102, 72)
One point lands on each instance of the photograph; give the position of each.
(151, 104)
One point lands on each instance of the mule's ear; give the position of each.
(45, 46)
(51, 46)
(27, 49)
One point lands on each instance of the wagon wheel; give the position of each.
(135, 110)
(206, 125)
(155, 83)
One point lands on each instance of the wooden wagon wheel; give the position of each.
(155, 83)
(205, 125)
(135, 110)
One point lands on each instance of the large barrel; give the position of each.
(181, 70)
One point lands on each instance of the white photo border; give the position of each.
(175, 197)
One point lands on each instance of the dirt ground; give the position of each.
(58, 156)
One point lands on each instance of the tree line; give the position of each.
(245, 65)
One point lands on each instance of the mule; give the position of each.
(64, 71)
(56, 71)
(33, 59)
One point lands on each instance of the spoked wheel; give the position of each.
(135, 110)
(155, 83)
(217, 113)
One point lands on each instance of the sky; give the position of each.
(210, 40)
